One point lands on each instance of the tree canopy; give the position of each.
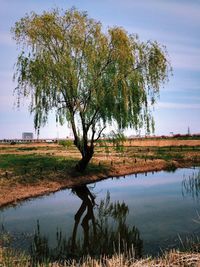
(90, 77)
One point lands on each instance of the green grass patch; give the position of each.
(27, 148)
(66, 143)
(33, 161)
(162, 154)
(34, 168)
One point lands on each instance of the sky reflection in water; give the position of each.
(157, 208)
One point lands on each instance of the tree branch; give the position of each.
(99, 134)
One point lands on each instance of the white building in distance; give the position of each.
(27, 136)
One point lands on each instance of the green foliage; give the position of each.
(90, 77)
(118, 140)
(66, 143)
(170, 167)
(13, 143)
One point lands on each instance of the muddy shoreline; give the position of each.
(13, 195)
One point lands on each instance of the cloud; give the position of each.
(186, 61)
(6, 89)
(6, 39)
(171, 105)
(195, 98)
(183, 86)
(188, 11)
(183, 51)
(6, 105)
(179, 9)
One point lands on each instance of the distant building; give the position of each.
(27, 136)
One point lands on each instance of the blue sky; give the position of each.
(174, 23)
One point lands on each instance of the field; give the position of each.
(29, 170)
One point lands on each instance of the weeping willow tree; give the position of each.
(89, 77)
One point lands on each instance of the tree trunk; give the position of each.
(86, 157)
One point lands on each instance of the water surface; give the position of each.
(158, 205)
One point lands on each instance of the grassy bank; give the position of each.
(34, 168)
(28, 170)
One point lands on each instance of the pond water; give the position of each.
(152, 210)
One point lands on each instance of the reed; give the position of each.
(174, 258)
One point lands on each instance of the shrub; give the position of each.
(66, 143)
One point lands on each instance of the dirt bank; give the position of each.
(12, 194)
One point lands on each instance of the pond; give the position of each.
(152, 211)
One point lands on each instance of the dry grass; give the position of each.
(162, 142)
(172, 259)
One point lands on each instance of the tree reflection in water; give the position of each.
(104, 227)
(105, 232)
(87, 203)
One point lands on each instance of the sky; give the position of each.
(173, 23)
